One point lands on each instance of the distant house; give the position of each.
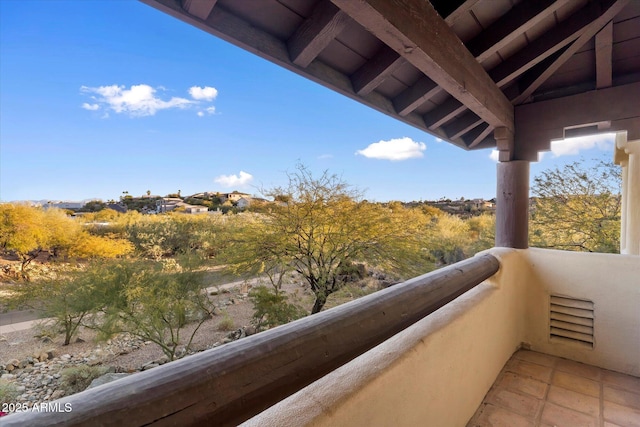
(66, 205)
(167, 204)
(243, 202)
(191, 209)
(233, 197)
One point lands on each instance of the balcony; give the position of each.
(438, 371)
(384, 360)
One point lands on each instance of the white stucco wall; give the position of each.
(611, 281)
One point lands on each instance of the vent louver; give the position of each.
(571, 319)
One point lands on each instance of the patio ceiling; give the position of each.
(469, 72)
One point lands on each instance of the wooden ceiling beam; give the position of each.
(199, 8)
(443, 113)
(414, 96)
(513, 24)
(604, 52)
(459, 11)
(520, 19)
(477, 135)
(606, 14)
(227, 26)
(562, 35)
(315, 33)
(376, 70)
(462, 125)
(415, 30)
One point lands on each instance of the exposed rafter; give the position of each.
(415, 30)
(416, 42)
(520, 19)
(459, 11)
(315, 33)
(462, 125)
(199, 8)
(414, 96)
(376, 70)
(605, 15)
(604, 52)
(549, 43)
(443, 113)
(478, 135)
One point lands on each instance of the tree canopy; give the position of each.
(28, 231)
(577, 208)
(319, 226)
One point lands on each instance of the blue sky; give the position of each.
(101, 97)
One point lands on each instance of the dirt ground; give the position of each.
(234, 304)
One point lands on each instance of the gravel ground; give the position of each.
(20, 344)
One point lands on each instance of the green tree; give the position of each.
(322, 226)
(21, 231)
(449, 239)
(68, 299)
(272, 308)
(28, 231)
(153, 300)
(577, 207)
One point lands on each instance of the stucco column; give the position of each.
(512, 205)
(628, 157)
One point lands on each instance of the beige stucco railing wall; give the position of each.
(437, 371)
(611, 281)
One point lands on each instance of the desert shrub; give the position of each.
(272, 308)
(67, 299)
(226, 324)
(78, 378)
(154, 301)
(8, 392)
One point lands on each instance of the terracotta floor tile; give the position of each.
(528, 369)
(515, 382)
(621, 415)
(558, 416)
(577, 401)
(621, 397)
(576, 383)
(626, 382)
(536, 389)
(579, 369)
(493, 416)
(522, 404)
(535, 357)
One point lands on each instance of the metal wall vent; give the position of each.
(571, 319)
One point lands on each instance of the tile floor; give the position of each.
(536, 389)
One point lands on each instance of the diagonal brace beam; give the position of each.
(415, 30)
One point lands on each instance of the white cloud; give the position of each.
(494, 155)
(208, 110)
(206, 93)
(90, 107)
(325, 156)
(394, 149)
(572, 146)
(234, 180)
(137, 101)
(438, 139)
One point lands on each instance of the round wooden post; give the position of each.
(512, 205)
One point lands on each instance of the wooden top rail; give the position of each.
(230, 384)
